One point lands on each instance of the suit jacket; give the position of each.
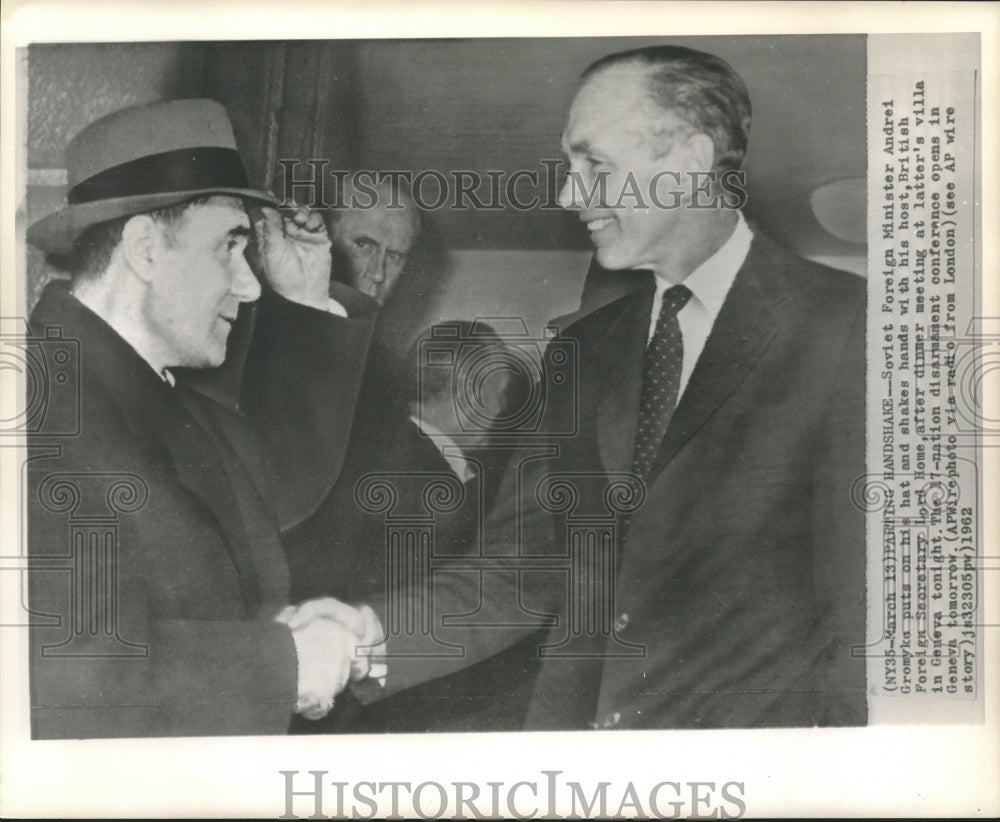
(157, 565)
(731, 596)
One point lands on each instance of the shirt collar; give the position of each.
(451, 452)
(335, 307)
(710, 282)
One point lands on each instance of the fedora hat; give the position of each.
(143, 158)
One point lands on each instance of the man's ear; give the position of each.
(701, 150)
(141, 241)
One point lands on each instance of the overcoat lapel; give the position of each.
(197, 458)
(351, 341)
(198, 453)
(153, 412)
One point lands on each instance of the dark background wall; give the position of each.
(444, 105)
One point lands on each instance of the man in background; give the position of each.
(373, 231)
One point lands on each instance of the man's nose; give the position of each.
(567, 194)
(376, 268)
(245, 286)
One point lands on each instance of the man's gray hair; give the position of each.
(701, 89)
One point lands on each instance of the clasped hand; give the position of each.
(334, 643)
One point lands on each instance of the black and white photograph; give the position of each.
(404, 419)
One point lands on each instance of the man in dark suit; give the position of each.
(159, 587)
(693, 540)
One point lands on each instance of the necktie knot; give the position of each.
(674, 299)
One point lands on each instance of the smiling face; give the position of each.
(616, 132)
(375, 242)
(200, 279)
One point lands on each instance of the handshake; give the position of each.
(334, 643)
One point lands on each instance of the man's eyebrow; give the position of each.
(240, 231)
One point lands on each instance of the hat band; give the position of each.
(186, 169)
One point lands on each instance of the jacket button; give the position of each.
(612, 719)
(621, 623)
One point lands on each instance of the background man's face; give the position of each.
(610, 133)
(375, 243)
(200, 281)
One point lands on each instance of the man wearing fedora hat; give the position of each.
(173, 618)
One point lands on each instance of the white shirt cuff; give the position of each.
(333, 307)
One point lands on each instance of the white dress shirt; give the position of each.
(709, 284)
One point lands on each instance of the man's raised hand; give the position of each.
(294, 249)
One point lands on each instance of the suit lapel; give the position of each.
(621, 359)
(612, 339)
(744, 328)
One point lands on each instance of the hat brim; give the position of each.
(56, 233)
